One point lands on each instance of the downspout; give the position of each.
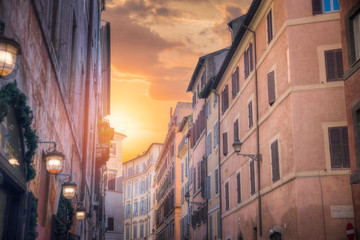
(206, 170)
(257, 131)
(219, 158)
(188, 153)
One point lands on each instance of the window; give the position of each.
(217, 180)
(356, 123)
(110, 224)
(127, 233)
(271, 87)
(136, 188)
(334, 65)
(269, 26)
(235, 83)
(210, 227)
(123, 173)
(216, 99)
(238, 187)
(186, 166)
(194, 174)
(182, 172)
(236, 130)
(250, 112)
(129, 171)
(135, 231)
(208, 187)
(194, 99)
(227, 196)
(128, 206)
(225, 144)
(275, 161)
(141, 230)
(144, 166)
(218, 224)
(352, 26)
(325, 6)
(182, 194)
(248, 61)
(252, 177)
(113, 148)
(111, 181)
(208, 144)
(199, 175)
(137, 169)
(216, 134)
(203, 79)
(339, 147)
(225, 99)
(129, 190)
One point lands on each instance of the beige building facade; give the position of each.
(139, 196)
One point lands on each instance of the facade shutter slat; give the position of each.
(250, 58)
(238, 187)
(210, 227)
(226, 196)
(252, 177)
(271, 87)
(275, 161)
(236, 130)
(218, 224)
(346, 147)
(233, 85)
(216, 180)
(339, 64)
(250, 114)
(317, 6)
(246, 64)
(330, 66)
(335, 147)
(237, 80)
(208, 186)
(225, 144)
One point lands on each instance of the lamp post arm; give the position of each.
(51, 142)
(255, 157)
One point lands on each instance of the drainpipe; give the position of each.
(219, 162)
(206, 170)
(257, 131)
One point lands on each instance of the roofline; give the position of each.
(248, 18)
(199, 65)
(146, 152)
(121, 134)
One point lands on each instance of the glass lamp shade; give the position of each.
(9, 49)
(80, 213)
(187, 196)
(237, 146)
(54, 162)
(69, 190)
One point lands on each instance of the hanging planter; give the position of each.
(11, 96)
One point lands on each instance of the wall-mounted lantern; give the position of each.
(9, 49)
(69, 189)
(80, 213)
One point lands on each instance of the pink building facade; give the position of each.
(282, 96)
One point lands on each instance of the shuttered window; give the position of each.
(199, 175)
(238, 187)
(203, 79)
(210, 227)
(271, 87)
(111, 181)
(182, 195)
(208, 144)
(236, 130)
(182, 172)
(235, 83)
(225, 99)
(339, 147)
(216, 134)
(324, 6)
(142, 230)
(250, 112)
(110, 224)
(208, 187)
(269, 26)
(217, 180)
(225, 144)
(218, 224)
(252, 177)
(135, 231)
(275, 161)
(227, 196)
(248, 60)
(334, 65)
(186, 166)
(127, 233)
(194, 178)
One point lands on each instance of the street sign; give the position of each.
(350, 233)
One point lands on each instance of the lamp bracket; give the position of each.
(49, 142)
(255, 157)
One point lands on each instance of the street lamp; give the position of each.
(80, 213)
(187, 198)
(54, 161)
(237, 148)
(69, 189)
(9, 49)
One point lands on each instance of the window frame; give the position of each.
(353, 63)
(269, 26)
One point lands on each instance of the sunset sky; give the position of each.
(155, 46)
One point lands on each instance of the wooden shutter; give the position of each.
(216, 134)
(218, 224)
(271, 87)
(216, 180)
(182, 172)
(237, 83)
(275, 161)
(339, 64)
(223, 101)
(317, 6)
(233, 90)
(246, 64)
(236, 130)
(250, 58)
(226, 97)
(250, 114)
(227, 196)
(210, 227)
(339, 147)
(225, 144)
(269, 25)
(194, 178)
(238, 187)
(330, 66)
(208, 187)
(252, 177)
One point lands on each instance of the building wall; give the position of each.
(306, 105)
(56, 76)
(130, 181)
(352, 98)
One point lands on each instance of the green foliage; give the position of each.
(11, 96)
(33, 234)
(65, 214)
